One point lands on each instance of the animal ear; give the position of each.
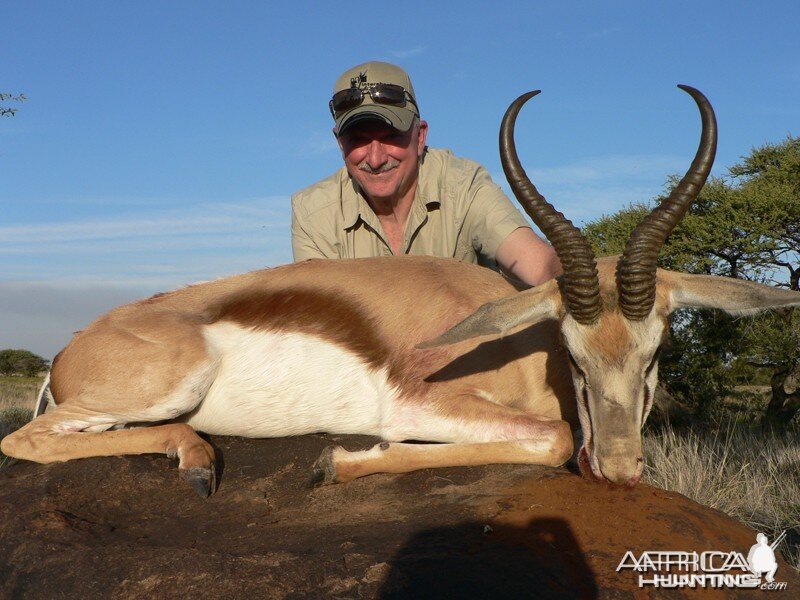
(524, 308)
(734, 296)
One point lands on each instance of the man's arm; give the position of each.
(505, 235)
(528, 257)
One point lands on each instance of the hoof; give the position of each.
(324, 471)
(202, 480)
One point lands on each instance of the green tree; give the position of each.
(6, 111)
(745, 225)
(21, 362)
(770, 179)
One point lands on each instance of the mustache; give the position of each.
(387, 166)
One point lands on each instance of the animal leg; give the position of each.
(59, 436)
(487, 433)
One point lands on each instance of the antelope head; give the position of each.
(613, 319)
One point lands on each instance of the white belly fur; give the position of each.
(277, 384)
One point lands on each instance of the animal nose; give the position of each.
(622, 469)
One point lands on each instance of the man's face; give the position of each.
(384, 161)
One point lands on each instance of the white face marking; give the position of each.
(614, 387)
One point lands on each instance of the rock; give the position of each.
(131, 528)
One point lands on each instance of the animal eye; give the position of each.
(653, 362)
(575, 364)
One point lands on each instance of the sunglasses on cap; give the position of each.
(381, 93)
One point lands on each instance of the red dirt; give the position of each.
(130, 528)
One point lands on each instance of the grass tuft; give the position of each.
(18, 391)
(745, 472)
(12, 419)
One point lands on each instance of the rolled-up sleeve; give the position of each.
(491, 216)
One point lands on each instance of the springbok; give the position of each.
(337, 346)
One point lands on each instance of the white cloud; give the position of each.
(587, 189)
(611, 168)
(408, 52)
(157, 249)
(57, 278)
(202, 219)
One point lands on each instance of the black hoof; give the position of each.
(202, 480)
(323, 472)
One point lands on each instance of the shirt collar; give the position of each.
(354, 205)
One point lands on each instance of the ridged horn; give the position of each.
(636, 269)
(581, 286)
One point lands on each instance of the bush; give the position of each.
(22, 362)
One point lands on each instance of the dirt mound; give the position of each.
(130, 528)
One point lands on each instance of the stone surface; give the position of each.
(130, 528)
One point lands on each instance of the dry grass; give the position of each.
(18, 392)
(749, 474)
(12, 419)
(17, 400)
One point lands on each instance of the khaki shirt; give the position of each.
(458, 212)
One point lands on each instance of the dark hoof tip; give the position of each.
(323, 471)
(317, 478)
(201, 480)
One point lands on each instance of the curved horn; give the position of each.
(636, 269)
(581, 286)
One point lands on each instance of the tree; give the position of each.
(6, 111)
(22, 362)
(770, 177)
(745, 225)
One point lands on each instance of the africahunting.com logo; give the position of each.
(712, 569)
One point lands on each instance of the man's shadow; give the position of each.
(473, 560)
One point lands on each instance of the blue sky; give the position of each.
(162, 140)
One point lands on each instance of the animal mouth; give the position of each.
(588, 463)
(585, 466)
(589, 470)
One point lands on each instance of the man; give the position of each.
(761, 558)
(397, 196)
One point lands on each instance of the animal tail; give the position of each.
(44, 398)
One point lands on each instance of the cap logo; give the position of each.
(361, 80)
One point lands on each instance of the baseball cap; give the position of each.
(364, 77)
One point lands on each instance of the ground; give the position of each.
(130, 528)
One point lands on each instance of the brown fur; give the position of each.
(610, 339)
(339, 320)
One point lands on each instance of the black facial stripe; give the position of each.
(647, 400)
(575, 364)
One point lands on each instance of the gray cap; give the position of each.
(367, 74)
